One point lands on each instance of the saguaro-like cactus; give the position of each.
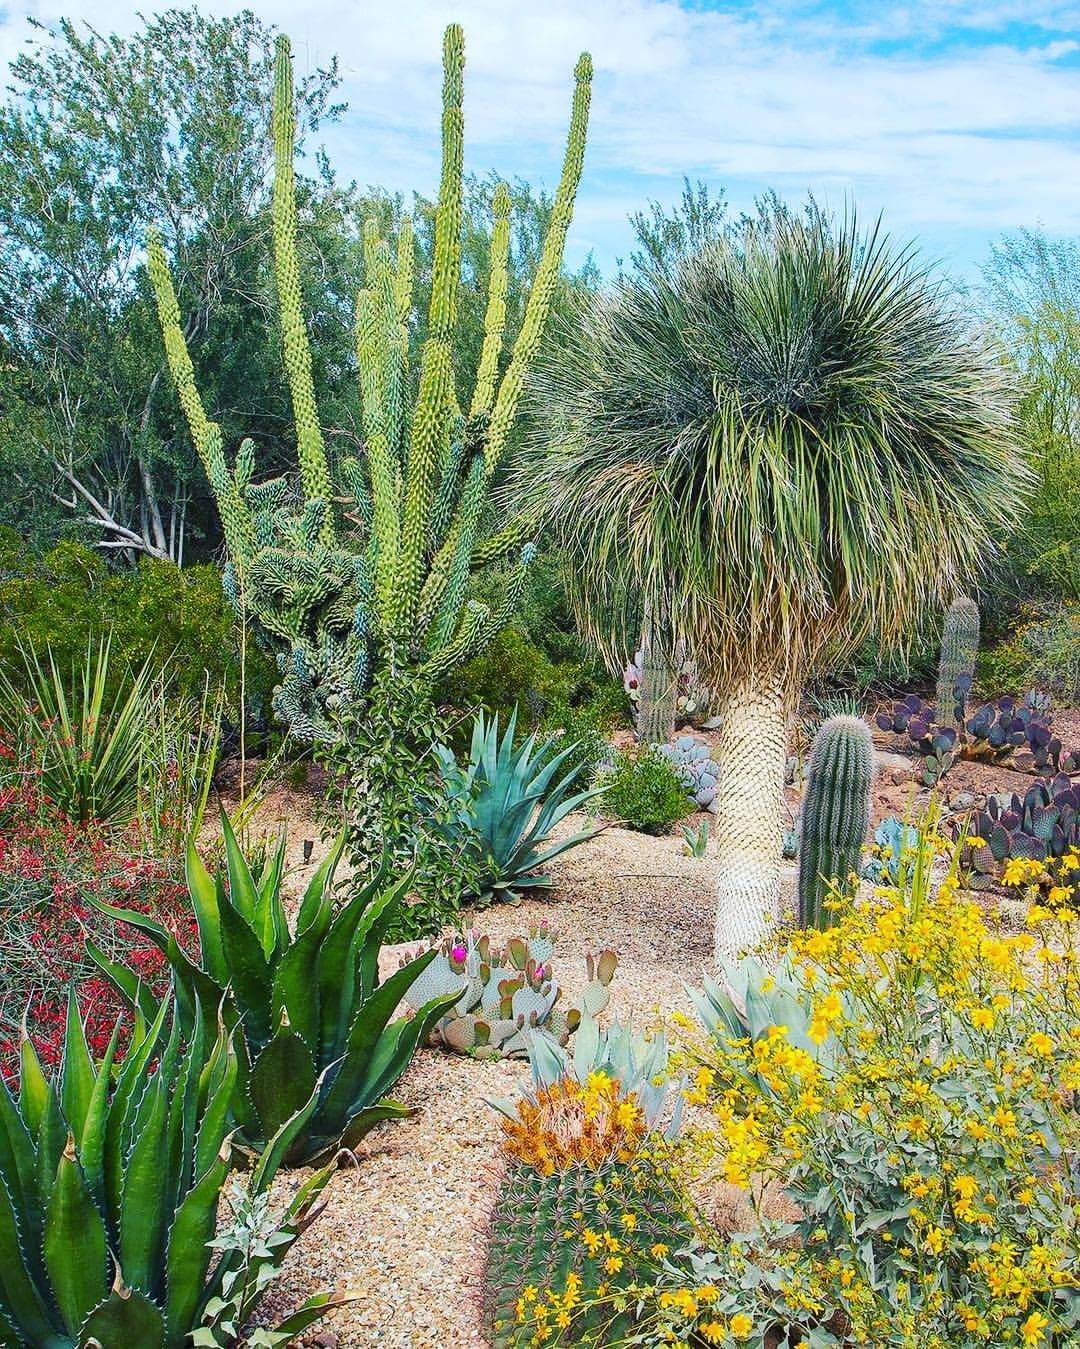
(359, 566)
(836, 813)
(959, 647)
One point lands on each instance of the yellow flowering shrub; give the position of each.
(1053, 883)
(929, 1136)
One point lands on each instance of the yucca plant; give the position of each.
(110, 1182)
(792, 440)
(87, 743)
(505, 800)
(307, 1010)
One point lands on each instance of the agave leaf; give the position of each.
(143, 1192)
(282, 1079)
(204, 899)
(188, 1256)
(75, 1244)
(18, 1289)
(126, 1317)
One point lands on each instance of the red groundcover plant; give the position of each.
(50, 867)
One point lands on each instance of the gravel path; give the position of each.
(403, 1230)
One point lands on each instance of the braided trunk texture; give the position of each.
(753, 745)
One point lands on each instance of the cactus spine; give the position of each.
(369, 571)
(836, 813)
(959, 647)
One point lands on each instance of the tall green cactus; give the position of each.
(364, 565)
(959, 647)
(836, 813)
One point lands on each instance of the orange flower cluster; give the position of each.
(576, 1124)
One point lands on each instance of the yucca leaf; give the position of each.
(75, 1243)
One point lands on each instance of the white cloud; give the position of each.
(976, 134)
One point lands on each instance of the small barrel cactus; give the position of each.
(836, 813)
(589, 1191)
(506, 992)
(956, 664)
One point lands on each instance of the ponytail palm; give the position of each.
(789, 441)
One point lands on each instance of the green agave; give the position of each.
(307, 1010)
(109, 1195)
(509, 800)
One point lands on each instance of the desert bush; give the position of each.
(644, 791)
(908, 1077)
(51, 872)
(1042, 652)
(70, 596)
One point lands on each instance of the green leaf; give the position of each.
(20, 1295)
(316, 906)
(188, 1257)
(92, 1143)
(75, 1244)
(250, 976)
(282, 1079)
(76, 1070)
(203, 892)
(126, 1319)
(127, 984)
(242, 892)
(142, 1195)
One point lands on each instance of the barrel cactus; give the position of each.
(956, 664)
(836, 813)
(589, 1193)
(506, 993)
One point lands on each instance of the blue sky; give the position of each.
(958, 119)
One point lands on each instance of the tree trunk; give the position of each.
(749, 822)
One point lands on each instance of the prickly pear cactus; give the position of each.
(700, 774)
(507, 993)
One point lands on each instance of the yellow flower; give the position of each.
(713, 1332)
(629, 1221)
(741, 1325)
(658, 1250)
(982, 1018)
(1040, 1044)
(1031, 1332)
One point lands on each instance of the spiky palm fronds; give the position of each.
(790, 436)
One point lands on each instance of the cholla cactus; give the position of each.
(698, 772)
(363, 565)
(956, 665)
(508, 994)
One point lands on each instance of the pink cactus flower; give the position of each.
(458, 954)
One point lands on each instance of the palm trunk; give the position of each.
(753, 746)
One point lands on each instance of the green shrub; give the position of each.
(1044, 652)
(512, 672)
(154, 611)
(583, 730)
(644, 791)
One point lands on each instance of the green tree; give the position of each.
(100, 135)
(791, 438)
(1033, 286)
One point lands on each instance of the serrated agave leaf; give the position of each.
(188, 1256)
(281, 1081)
(92, 1143)
(19, 1291)
(127, 984)
(204, 900)
(316, 906)
(76, 1070)
(126, 1318)
(143, 1193)
(75, 1243)
(243, 894)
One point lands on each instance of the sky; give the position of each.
(957, 120)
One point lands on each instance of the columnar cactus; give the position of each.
(657, 689)
(836, 813)
(956, 665)
(364, 565)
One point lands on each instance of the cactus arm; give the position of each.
(403, 275)
(457, 574)
(474, 623)
(495, 314)
(508, 539)
(205, 434)
(547, 274)
(435, 399)
(314, 473)
(381, 462)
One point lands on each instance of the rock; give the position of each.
(962, 800)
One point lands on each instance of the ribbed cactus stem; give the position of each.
(836, 814)
(657, 694)
(495, 314)
(959, 647)
(314, 473)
